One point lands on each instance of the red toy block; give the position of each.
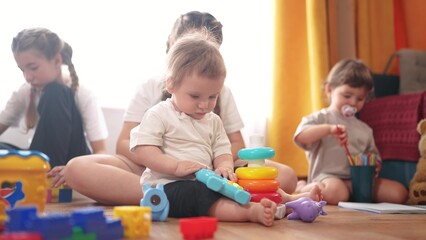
(49, 195)
(198, 227)
(21, 236)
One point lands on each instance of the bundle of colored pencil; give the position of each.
(363, 159)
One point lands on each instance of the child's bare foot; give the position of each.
(315, 193)
(263, 212)
(300, 185)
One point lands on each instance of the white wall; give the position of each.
(118, 44)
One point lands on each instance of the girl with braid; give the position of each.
(58, 113)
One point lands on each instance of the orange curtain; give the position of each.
(311, 36)
(301, 63)
(374, 32)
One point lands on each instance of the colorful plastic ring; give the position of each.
(256, 153)
(273, 196)
(259, 186)
(257, 173)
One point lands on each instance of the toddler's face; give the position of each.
(347, 95)
(196, 95)
(38, 71)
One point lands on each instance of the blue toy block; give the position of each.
(156, 199)
(25, 219)
(113, 231)
(89, 219)
(82, 224)
(220, 184)
(52, 226)
(65, 195)
(20, 217)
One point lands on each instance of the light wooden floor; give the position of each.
(338, 224)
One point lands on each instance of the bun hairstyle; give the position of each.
(195, 20)
(190, 22)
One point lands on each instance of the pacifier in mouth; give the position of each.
(348, 111)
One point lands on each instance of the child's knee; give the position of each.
(335, 192)
(334, 197)
(390, 191)
(73, 167)
(399, 194)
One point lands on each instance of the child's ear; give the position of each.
(328, 89)
(169, 85)
(58, 60)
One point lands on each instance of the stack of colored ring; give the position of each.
(256, 156)
(259, 181)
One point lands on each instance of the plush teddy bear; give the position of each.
(417, 194)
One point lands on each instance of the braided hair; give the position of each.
(49, 45)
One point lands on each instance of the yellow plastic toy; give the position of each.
(2, 215)
(23, 178)
(256, 173)
(136, 220)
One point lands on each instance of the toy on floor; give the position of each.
(223, 186)
(258, 180)
(198, 227)
(21, 236)
(2, 216)
(93, 220)
(417, 193)
(12, 194)
(156, 199)
(87, 223)
(61, 194)
(25, 174)
(305, 209)
(136, 220)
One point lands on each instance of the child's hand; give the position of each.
(57, 173)
(226, 173)
(339, 131)
(378, 167)
(185, 168)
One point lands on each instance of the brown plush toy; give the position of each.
(418, 183)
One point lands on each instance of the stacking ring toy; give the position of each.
(256, 153)
(273, 196)
(259, 186)
(256, 172)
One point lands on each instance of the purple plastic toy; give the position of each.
(305, 209)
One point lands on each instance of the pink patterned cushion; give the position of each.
(394, 120)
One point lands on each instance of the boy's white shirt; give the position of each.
(181, 137)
